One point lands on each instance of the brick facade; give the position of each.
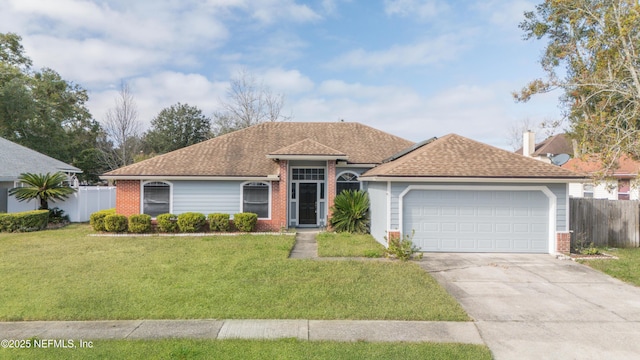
(128, 197)
(279, 200)
(331, 185)
(563, 242)
(393, 234)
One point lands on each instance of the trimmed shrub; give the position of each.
(140, 223)
(245, 221)
(25, 221)
(167, 223)
(219, 222)
(57, 216)
(97, 219)
(191, 222)
(350, 212)
(115, 223)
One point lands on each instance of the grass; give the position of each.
(253, 349)
(626, 268)
(348, 245)
(66, 275)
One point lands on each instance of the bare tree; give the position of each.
(542, 130)
(122, 129)
(248, 103)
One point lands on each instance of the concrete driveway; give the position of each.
(539, 307)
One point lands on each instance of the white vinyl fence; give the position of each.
(81, 204)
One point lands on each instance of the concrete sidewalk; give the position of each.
(335, 330)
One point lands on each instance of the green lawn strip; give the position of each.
(348, 245)
(625, 268)
(253, 349)
(66, 275)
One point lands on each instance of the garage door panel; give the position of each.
(477, 221)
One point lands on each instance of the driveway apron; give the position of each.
(540, 307)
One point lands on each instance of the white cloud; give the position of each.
(429, 51)
(422, 9)
(89, 61)
(506, 14)
(162, 90)
(287, 82)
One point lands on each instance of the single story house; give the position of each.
(619, 183)
(16, 159)
(452, 193)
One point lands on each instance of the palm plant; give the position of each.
(43, 187)
(350, 212)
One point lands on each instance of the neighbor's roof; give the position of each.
(16, 159)
(625, 166)
(553, 145)
(454, 156)
(243, 153)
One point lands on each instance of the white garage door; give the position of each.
(477, 221)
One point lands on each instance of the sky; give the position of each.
(413, 68)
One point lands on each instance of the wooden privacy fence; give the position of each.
(613, 223)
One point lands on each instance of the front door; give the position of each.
(307, 203)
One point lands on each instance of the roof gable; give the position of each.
(16, 159)
(456, 156)
(243, 153)
(308, 147)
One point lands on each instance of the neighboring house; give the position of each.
(545, 150)
(16, 159)
(619, 183)
(456, 194)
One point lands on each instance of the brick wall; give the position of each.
(128, 197)
(563, 242)
(278, 203)
(331, 185)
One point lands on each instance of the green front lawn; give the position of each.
(626, 268)
(348, 245)
(66, 275)
(254, 349)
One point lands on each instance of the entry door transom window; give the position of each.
(307, 174)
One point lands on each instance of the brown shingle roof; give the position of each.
(308, 147)
(244, 153)
(456, 156)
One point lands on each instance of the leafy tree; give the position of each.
(177, 126)
(12, 51)
(350, 212)
(42, 187)
(248, 103)
(39, 109)
(593, 56)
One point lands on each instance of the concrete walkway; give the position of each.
(334, 330)
(306, 246)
